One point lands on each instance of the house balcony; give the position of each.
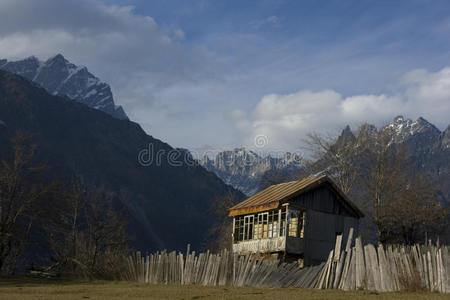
(269, 245)
(260, 245)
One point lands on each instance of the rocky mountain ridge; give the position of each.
(60, 77)
(428, 146)
(243, 169)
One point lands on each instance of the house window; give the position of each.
(248, 227)
(265, 229)
(296, 224)
(273, 224)
(302, 224)
(283, 221)
(238, 228)
(293, 224)
(260, 226)
(257, 230)
(263, 225)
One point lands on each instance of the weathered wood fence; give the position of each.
(224, 268)
(387, 268)
(382, 268)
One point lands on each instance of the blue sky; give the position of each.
(408, 34)
(216, 74)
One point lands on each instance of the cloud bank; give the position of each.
(225, 79)
(286, 118)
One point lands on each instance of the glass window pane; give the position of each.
(293, 225)
(302, 225)
(275, 229)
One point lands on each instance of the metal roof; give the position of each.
(272, 197)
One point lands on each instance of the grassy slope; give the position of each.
(33, 289)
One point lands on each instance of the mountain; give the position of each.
(244, 169)
(62, 78)
(167, 199)
(428, 147)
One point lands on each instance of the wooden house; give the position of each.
(294, 220)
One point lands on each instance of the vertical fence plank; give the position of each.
(360, 265)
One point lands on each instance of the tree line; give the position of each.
(402, 205)
(54, 228)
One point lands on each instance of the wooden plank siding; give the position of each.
(320, 234)
(326, 217)
(322, 199)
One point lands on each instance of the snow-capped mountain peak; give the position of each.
(243, 168)
(63, 78)
(402, 129)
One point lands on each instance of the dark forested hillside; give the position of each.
(168, 202)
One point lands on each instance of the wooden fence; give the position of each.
(224, 268)
(387, 268)
(382, 268)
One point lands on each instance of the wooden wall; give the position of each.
(320, 234)
(325, 217)
(322, 199)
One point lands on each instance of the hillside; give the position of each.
(168, 202)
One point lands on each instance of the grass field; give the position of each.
(46, 289)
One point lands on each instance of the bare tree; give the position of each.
(370, 167)
(382, 167)
(409, 209)
(22, 192)
(77, 227)
(334, 158)
(88, 237)
(220, 233)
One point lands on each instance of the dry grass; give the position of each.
(50, 289)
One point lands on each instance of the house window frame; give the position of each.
(296, 225)
(263, 225)
(248, 227)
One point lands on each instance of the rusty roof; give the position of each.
(274, 195)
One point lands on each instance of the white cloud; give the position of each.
(428, 95)
(286, 118)
(371, 108)
(184, 90)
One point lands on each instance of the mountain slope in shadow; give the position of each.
(168, 203)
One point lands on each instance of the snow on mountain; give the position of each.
(402, 129)
(428, 146)
(63, 78)
(243, 169)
